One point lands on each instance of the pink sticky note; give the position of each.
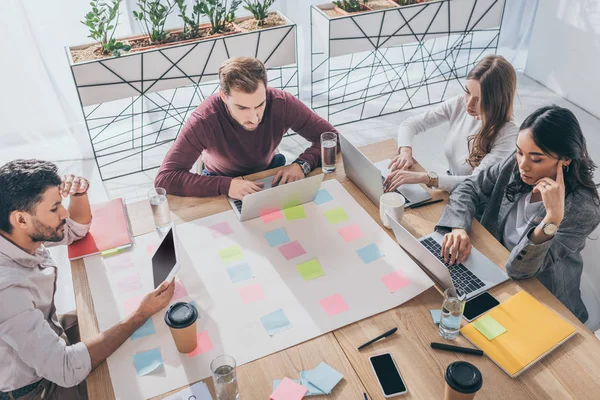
(179, 292)
(288, 390)
(291, 250)
(130, 305)
(334, 304)
(270, 215)
(151, 248)
(394, 281)
(350, 233)
(221, 229)
(119, 262)
(252, 293)
(203, 344)
(130, 284)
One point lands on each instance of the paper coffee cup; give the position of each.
(463, 380)
(392, 203)
(181, 320)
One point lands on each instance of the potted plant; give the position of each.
(381, 4)
(261, 17)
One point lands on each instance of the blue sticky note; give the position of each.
(144, 330)
(312, 389)
(276, 322)
(322, 197)
(436, 315)
(369, 253)
(276, 382)
(240, 273)
(277, 237)
(324, 377)
(147, 361)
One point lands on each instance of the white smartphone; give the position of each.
(387, 373)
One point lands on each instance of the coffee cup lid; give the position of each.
(181, 315)
(464, 377)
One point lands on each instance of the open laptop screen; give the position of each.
(164, 260)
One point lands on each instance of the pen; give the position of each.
(457, 349)
(388, 333)
(366, 398)
(417, 205)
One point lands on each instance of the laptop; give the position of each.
(364, 174)
(475, 275)
(276, 197)
(165, 261)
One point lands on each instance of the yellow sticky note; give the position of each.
(231, 253)
(336, 215)
(489, 327)
(310, 269)
(293, 213)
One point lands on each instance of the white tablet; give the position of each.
(165, 261)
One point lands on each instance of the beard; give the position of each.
(43, 233)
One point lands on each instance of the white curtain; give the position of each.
(40, 111)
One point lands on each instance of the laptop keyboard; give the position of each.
(464, 280)
(238, 204)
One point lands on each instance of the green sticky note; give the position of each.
(293, 213)
(310, 270)
(231, 254)
(489, 327)
(336, 215)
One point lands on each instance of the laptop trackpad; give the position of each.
(267, 181)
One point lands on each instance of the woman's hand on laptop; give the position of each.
(401, 177)
(239, 188)
(404, 159)
(456, 246)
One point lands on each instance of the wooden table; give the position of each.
(572, 371)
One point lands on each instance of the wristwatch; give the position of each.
(549, 229)
(304, 165)
(433, 180)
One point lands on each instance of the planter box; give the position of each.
(178, 65)
(367, 31)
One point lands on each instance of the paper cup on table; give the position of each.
(463, 380)
(392, 203)
(181, 320)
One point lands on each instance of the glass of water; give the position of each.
(328, 151)
(160, 209)
(224, 378)
(452, 311)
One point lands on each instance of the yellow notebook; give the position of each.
(532, 332)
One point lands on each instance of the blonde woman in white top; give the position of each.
(481, 133)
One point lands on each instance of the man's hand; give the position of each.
(239, 188)
(71, 184)
(156, 301)
(291, 173)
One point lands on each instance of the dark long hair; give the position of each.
(498, 82)
(556, 131)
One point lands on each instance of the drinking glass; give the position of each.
(452, 311)
(160, 209)
(224, 378)
(328, 151)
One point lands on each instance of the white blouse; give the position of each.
(519, 219)
(456, 146)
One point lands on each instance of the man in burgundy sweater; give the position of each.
(237, 132)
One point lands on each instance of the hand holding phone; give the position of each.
(387, 373)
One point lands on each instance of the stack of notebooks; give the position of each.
(110, 231)
(522, 331)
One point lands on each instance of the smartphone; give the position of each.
(478, 305)
(387, 373)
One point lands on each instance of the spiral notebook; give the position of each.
(110, 230)
(532, 332)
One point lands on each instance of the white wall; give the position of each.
(564, 51)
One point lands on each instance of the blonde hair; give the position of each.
(242, 73)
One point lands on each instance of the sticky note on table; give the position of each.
(144, 330)
(288, 390)
(369, 253)
(252, 293)
(275, 322)
(277, 237)
(489, 327)
(350, 233)
(277, 382)
(324, 377)
(312, 389)
(240, 273)
(203, 344)
(322, 197)
(119, 262)
(395, 281)
(436, 316)
(129, 284)
(334, 304)
(310, 269)
(130, 305)
(147, 361)
(231, 254)
(291, 250)
(336, 215)
(293, 213)
(221, 229)
(271, 215)
(179, 292)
